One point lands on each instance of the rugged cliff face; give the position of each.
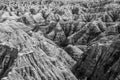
(57, 40)
(7, 59)
(25, 57)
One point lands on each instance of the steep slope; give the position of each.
(38, 58)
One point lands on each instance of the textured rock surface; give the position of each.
(61, 40)
(7, 59)
(38, 57)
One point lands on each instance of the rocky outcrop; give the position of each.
(100, 62)
(56, 40)
(38, 57)
(7, 59)
(74, 52)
